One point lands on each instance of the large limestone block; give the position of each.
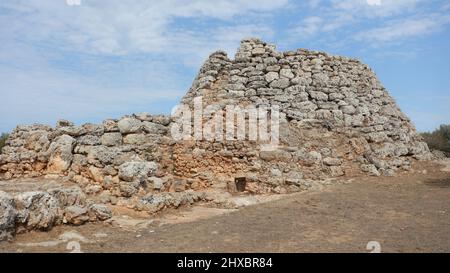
(132, 171)
(111, 139)
(61, 155)
(129, 125)
(37, 210)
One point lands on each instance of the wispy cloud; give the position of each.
(120, 27)
(399, 30)
(308, 27)
(368, 23)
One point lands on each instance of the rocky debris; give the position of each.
(111, 139)
(439, 155)
(63, 123)
(370, 169)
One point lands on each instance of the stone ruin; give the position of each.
(335, 120)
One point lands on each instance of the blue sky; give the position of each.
(105, 59)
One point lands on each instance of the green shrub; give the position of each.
(3, 139)
(439, 139)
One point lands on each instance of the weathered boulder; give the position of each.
(7, 216)
(61, 155)
(132, 171)
(136, 139)
(161, 119)
(332, 161)
(129, 125)
(96, 174)
(89, 140)
(69, 196)
(308, 158)
(156, 202)
(99, 212)
(286, 73)
(76, 215)
(63, 123)
(154, 128)
(111, 139)
(105, 155)
(370, 169)
(271, 76)
(110, 125)
(280, 83)
(37, 211)
(275, 155)
(42, 210)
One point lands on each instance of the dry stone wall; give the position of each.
(336, 119)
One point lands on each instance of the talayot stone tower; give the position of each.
(335, 120)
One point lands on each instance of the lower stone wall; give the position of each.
(305, 153)
(122, 157)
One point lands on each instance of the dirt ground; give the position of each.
(407, 213)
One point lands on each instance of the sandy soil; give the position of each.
(407, 213)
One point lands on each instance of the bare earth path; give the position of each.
(409, 213)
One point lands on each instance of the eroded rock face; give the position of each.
(61, 155)
(111, 139)
(99, 212)
(37, 211)
(42, 210)
(76, 215)
(7, 216)
(129, 125)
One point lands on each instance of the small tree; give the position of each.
(3, 139)
(439, 139)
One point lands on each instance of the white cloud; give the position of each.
(119, 27)
(403, 29)
(374, 22)
(46, 95)
(309, 26)
(314, 3)
(363, 8)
